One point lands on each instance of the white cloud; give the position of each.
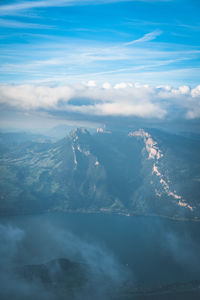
(106, 85)
(91, 83)
(184, 89)
(193, 104)
(196, 91)
(32, 97)
(146, 110)
(121, 99)
(146, 38)
(16, 24)
(122, 85)
(112, 62)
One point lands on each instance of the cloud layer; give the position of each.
(122, 99)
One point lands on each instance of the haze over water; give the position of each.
(154, 250)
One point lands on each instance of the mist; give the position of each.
(112, 254)
(42, 242)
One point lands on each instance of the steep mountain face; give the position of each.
(144, 171)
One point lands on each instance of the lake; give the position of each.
(153, 250)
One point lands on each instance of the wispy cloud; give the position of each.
(195, 27)
(75, 59)
(14, 7)
(146, 38)
(146, 23)
(22, 5)
(17, 24)
(80, 48)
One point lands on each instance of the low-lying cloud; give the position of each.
(122, 99)
(43, 242)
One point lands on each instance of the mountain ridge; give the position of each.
(136, 172)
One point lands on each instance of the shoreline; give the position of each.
(100, 212)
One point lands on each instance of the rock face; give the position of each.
(144, 171)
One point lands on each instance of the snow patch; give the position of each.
(83, 151)
(184, 204)
(155, 170)
(102, 130)
(151, 145)
(75, 160)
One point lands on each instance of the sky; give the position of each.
(55, 51)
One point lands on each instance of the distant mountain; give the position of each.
(145, 171)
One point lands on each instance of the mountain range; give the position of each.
(142, 171)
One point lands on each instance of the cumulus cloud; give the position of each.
(107, 85)
(121, 99)
(30, 96)
(91, 83)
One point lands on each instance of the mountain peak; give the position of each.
(102, 130)
(79, 131)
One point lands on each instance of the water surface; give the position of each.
(156, 251)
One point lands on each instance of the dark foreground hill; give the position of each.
(64, 279)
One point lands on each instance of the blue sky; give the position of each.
(70, 41)
(90, 61)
